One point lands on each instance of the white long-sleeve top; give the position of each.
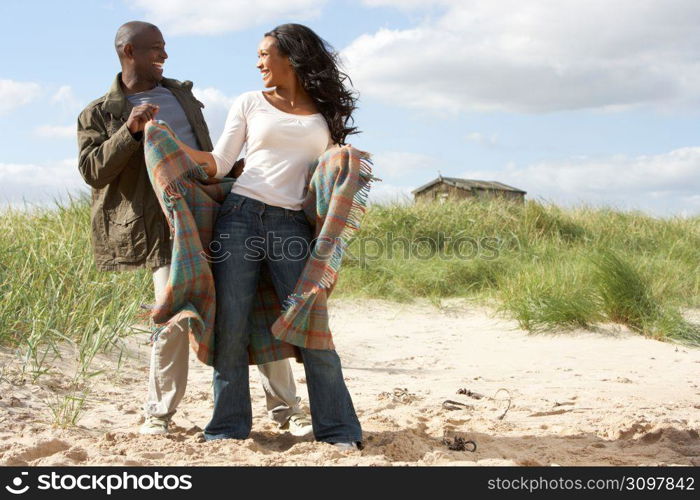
(280, 147)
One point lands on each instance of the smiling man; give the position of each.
(129, 230)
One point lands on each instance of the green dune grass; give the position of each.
(51, 292)
(547, 267)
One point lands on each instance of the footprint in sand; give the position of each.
(41, 449)
(76, 454)
(623, 380)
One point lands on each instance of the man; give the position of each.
(129, 230)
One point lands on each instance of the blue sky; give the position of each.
(575, 102)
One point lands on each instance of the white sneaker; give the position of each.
(298, 425)
(155, 425)
(347, 446)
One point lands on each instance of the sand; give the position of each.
(609, 397)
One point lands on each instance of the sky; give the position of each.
(591, 102)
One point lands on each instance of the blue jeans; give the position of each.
(248, 234)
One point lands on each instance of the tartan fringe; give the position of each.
(155, 332)
(178, 187)
(291, 301)
(352, 222)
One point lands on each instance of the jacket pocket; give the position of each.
(126, 236)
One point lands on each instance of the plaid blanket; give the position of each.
(335, 201)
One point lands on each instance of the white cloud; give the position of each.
(482, 139)
(14, 94)
(39, 183)
(406, 4)
(398, 164)
(216, 107)
(535, 56)
(381, 192)
(394, 168)
(662, 184)
(213, 97)
(56, 131)
(66, 99)
(211, 17)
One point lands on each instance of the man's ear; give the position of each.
(128, 51)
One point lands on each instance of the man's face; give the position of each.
(148, 55)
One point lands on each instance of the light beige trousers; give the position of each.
(167, 378)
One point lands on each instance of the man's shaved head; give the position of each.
(131, 32)
(141, 50)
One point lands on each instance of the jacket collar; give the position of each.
(116, 102)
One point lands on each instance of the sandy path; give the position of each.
(608, 398)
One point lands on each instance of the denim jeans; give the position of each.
(167, 376)
(249, 234)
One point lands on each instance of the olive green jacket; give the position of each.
(129, 229)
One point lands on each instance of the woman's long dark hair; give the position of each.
(316, 65)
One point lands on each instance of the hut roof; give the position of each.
(469, 184)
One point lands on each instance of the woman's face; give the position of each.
(275, 68)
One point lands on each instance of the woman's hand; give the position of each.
(157, 124)
(202, 158)
(162, 126)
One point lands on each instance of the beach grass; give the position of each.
(548, 267)
(51, 293)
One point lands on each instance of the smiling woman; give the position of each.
(315, 64)
(285, 130)
(273, 66)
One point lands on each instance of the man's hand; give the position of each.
(139, 116)
(238, 167)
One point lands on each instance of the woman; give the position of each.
(284, 130)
